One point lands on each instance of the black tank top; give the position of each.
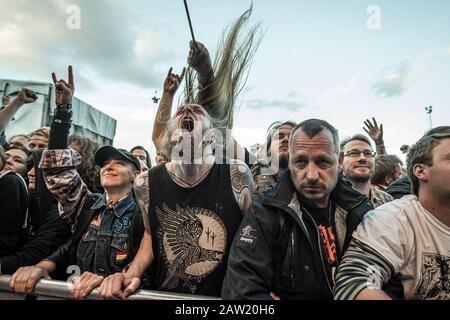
(192, 231)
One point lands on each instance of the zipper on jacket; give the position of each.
(293, 259)
(320, 251)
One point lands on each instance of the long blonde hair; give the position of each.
(231, 68)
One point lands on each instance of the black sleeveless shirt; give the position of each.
(192, 231)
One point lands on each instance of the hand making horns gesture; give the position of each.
(64, 90)
(173, 81)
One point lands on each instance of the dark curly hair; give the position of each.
(88, 170)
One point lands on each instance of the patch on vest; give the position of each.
(121, 224)
(193, 241)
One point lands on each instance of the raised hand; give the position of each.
(64, 90)
(26, 96)
(199, 58)
(173, 81)
(374, 132)
(5, 101)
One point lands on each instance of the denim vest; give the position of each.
(105, 249)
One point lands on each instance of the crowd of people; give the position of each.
(308, 216)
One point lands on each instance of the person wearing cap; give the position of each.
(106, 228)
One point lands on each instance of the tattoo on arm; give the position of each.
(242, 184)
(161, 120)
(142, 191)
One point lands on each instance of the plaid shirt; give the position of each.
(64, 182)
(379, 197)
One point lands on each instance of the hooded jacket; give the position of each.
(400, 187)
(273, 250)
(45, 231)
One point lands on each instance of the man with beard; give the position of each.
(189, 230)
(267, 171)
(215, 85)
(291, 241)
(407, 238)
(359, 167)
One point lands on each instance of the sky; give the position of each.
(340, 60)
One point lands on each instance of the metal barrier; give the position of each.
(59, 290)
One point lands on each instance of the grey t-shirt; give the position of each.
(414, 242)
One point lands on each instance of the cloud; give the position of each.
(293, 103)
(395, 81)
(110, 45)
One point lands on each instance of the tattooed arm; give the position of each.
(171, 84)
(242, 184)
(142, 191)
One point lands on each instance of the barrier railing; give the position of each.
(59, 290)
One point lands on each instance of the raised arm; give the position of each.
(171, 85)
(58, 162)
(10, 108)
(376, 134)
(200, 61)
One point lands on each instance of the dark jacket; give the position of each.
(44, 230)
(273, 251)
(400, 187)
(13, 209)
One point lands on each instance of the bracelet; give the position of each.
(58, 121)
(64, 108)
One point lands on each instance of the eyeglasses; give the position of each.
(356, 154)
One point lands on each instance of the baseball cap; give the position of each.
(104, 153)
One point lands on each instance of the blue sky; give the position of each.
(317, 59)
